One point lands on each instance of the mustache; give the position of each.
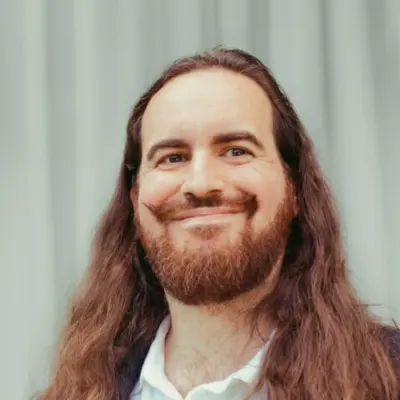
(168, 211)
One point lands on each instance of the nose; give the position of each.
(203, 178)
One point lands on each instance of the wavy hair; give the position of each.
(326, 344)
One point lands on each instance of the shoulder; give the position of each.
(390, 337)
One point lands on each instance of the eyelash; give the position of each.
(246, 152)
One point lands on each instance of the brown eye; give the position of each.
(237, 152)
(173, 159)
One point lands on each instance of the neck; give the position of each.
(208, 343)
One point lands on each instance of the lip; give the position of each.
(205, 213)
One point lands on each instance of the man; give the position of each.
(217, 270)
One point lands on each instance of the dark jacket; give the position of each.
(130, 369)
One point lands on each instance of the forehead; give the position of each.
(203, 103)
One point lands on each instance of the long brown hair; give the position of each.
(326, 345)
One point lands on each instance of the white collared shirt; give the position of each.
(153, 384)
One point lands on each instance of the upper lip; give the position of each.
(204, 211)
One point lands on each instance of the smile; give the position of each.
(207, 216)
(206, 213)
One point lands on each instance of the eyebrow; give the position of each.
(226, 137)
(165, 144)
(220, 138)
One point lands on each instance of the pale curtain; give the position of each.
(72, 70)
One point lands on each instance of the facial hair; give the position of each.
(209, 275)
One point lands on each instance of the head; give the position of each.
(213, 199)
(219, 190)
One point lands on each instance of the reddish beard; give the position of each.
(210, 275)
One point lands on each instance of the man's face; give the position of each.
(212, 202)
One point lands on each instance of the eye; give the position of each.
(172, 159)
(237, 152)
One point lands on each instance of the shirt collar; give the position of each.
(153, 366)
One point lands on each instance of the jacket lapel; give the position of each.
(129, 371)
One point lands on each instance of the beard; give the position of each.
(210, 275)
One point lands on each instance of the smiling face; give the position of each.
(212, 201)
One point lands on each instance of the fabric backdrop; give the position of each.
(71, 72)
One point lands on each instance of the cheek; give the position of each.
(156, 187)
(266, 182)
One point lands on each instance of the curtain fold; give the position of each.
(70, 73)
